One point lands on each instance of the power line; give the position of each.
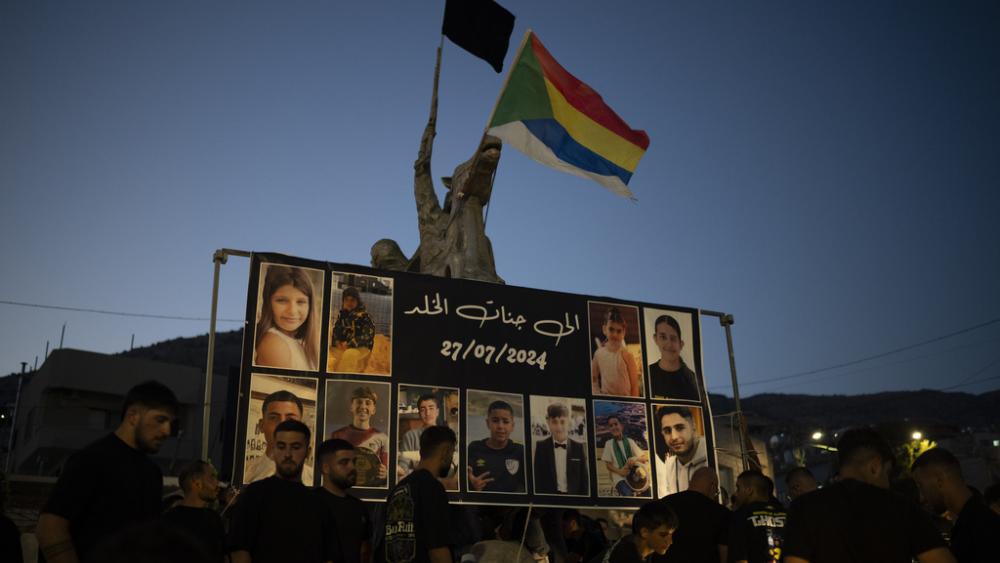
(966, 381)
(876, 356)
(116, 313)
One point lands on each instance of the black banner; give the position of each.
(556, 398)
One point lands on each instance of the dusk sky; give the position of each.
(827, 172)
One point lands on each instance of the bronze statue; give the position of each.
(453, 241)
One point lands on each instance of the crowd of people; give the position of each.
(107, 507)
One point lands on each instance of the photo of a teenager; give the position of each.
(671, 376)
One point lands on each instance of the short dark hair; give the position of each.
(294, 426)
(938, 457)
(556, 410)
(797, 472)
(434, 437)
(332, 446)
(859, 444)
(282, 397)
(153, 395)
(427, 397)
(194, 470)
(499, 405)
(617, 417)
(571, 514)
(652, 515)
(614, 315)
(670, 321)
(663, 411)
(760, 483)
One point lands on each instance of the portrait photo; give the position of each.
(360, 324)
(420, 407)
(560, 456)
(680, 446)
(615, 350)
(287, 332)
(274, 399)
(621, 454)
(670, 347)
(495, 444)
(359, 412)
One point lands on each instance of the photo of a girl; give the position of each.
(288, 326)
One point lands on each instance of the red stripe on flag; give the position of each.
(584, 98)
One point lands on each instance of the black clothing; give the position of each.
(204, 524)
(280, 521)
(703, 527)
(592, 541)
(854, 521)
(577, 472)
(103, 488)
(623, 551)
(10, 541)
(976, 535)
(506, 466)
(680, 384)
(351, 518)
(757, 532)
(416, 519)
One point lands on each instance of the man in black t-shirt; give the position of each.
(975, 538)
(349, 515)
(416, 510)
(701, 536)
(278, 519)
(653, 527)
(859, 518)
(200, 483)
(111, 483)
(496, 464)
(758, 527)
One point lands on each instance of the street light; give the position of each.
(817, 435)
(917, 435)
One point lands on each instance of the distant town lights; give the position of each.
(817, 435)
(917, 435)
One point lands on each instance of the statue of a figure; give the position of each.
(453, 241)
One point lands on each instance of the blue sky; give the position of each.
(827, 172)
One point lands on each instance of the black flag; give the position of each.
(481, 27)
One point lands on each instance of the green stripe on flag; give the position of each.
(525, 96)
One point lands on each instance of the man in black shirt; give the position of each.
(653, 527)
(200, 483)
(701, 535)
(278, 519)
(583, 536)
(757, 529)
(800, 481)
(859, 518)
(975, 538)
(416, 510)
(111, 483)
(349, 515)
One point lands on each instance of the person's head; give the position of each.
(336, 461)
(938, 475)
(277, 408)
(863, 454)
(677, 429)
(199, 480)
(351, 299)
(500, 421)
(437, 448)
(289, 304)
(654, 523)
(148, 412)
(427, 407)
(705, 481)
(667, 335)
(752, 486)
(572, 523)
(557, 418)
(291, 448)
(363, 401)
(615, 426)
(614, 326)
(991, 496)
(800, 481)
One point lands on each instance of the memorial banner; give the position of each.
(556, 399)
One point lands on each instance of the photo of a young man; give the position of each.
(560, 454)
(622, 452)
(289, 301)
(671, 376)
(355, 412)
(615, 350)
(681, 448)
(360, 324)
(419, 408)
(273, 400)
(495, 458)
